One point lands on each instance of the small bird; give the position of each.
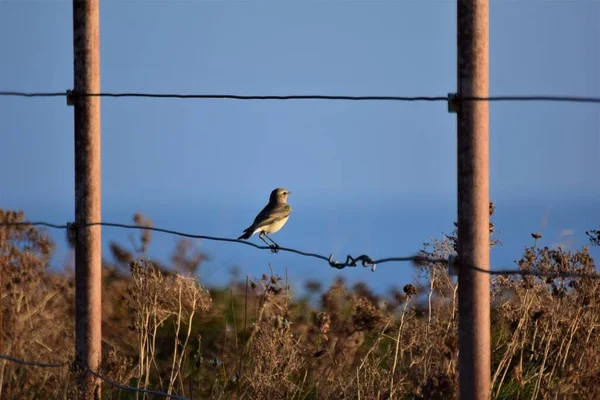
(271, 218)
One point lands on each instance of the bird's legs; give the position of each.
(274, 246)
(260, 235)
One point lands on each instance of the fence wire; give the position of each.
(451, 97)
(366, 261)
(33, 363)
(91, 371)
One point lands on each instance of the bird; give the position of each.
(271, 219)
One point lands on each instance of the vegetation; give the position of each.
(163, 330)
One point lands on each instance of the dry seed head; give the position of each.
(366, 316)
(323, 322)
(410, 290)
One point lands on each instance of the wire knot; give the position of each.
(366, 261)
(352, 262)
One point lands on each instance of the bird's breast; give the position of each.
(275, 226)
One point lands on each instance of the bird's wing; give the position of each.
(270, 214)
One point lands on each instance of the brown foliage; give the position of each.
(163, 330)
(37, 312)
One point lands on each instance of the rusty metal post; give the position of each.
(473, 200)
(88, 313)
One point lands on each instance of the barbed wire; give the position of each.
(366, 261)
(451, 97)
(91, 371)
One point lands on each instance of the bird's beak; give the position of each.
(289, 192)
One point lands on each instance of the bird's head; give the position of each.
(280, 195)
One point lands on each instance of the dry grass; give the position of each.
(163, 330)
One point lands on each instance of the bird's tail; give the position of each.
(246, 235)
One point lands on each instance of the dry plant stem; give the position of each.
(522, 347)
(153, 346)
(255, 328)
(521, 361)
(558, 356)
(240, 358)
(150, 311)
(42, 305)
(142, 350)
(2, 366)
(432, 279)
(246, 306)
(223, 349)
(587, 340)
(512, 352)
(533, 339)
(398, 340)
(544, 335)
(504, 364)
(28, 312)
(376, 344)
(566, 344)
(541, 373)
(235, 333)
(574, 329)
(299, 390)
(237, 350)
(358, 383)
(187, 336)
(176, 343)
(28, 317)
(453, 314)
(452, 363)
(141, 344)
(427, 356)
(1, 330)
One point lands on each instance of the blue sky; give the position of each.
(368, 177)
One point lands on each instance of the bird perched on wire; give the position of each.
(271, 218)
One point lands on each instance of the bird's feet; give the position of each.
(272, 245)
